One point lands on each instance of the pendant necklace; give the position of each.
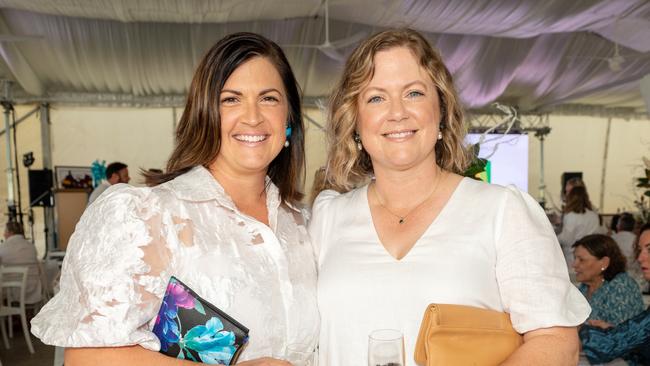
(402, 218)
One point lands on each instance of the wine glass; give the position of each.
(385, 348)
(300, 354)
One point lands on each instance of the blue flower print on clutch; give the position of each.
(213, 336)
(213, 344)
(166, 327)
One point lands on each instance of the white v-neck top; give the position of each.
(490, 247)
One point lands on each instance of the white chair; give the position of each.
(14, 277)
(35, 277)
(56, 256)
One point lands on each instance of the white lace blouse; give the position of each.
(131, 240)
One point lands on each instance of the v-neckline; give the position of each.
(424, 233)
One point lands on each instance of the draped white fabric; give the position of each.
(531, 53)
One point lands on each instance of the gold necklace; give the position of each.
(402, 219)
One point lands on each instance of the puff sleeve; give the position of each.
(531, 270)
(113, 275)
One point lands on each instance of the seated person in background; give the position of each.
(629, 340)
(613, 225)
(578, 220)
(625, 238)
(115, 173)
(16, 250)
(600, 267)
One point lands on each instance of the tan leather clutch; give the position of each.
(465, 335)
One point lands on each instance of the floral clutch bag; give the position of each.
(191, 328)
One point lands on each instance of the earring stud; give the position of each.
(439, 135)
(357, 139)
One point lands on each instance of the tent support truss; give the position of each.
(499, 123)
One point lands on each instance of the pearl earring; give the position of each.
(357, 139)
(287, 133)
(439, 135)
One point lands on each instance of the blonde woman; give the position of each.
(401, 228)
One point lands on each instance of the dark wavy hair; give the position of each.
(577, 200)
(199, 130)
(601, 246)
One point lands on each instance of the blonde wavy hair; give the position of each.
(347, 167)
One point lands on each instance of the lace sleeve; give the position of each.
(113, 275)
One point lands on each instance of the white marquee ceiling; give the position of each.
(535, 54)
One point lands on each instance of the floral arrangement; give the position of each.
(98, 169)
(209, 343)
(478, 169)
(643, 183)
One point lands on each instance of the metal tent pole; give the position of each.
(6, 103)
(603, 176)
(541, 133)
(542, 184)
(48, 211)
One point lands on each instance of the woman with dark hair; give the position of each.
(602, 342)
(578, 220)
(600, 268)
(222, 219)
(401, 228)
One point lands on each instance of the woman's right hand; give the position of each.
(264, 361)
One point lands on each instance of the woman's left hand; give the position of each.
(599, 323)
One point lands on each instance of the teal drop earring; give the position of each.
(287, 133)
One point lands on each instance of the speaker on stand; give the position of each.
(40, 188)
(41, 183)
